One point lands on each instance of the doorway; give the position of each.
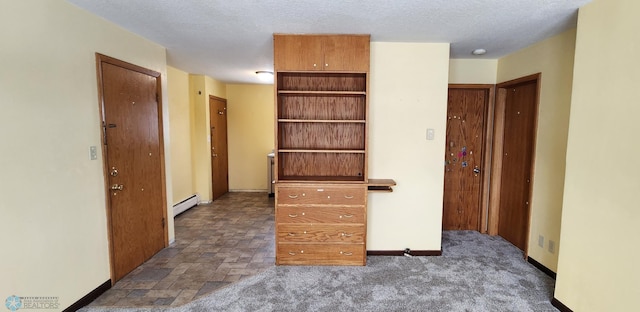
(131, 115)
(514, 148)
(466, 186)
(219, 151)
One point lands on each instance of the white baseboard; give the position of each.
(186, 204)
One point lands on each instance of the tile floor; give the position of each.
(216, 244)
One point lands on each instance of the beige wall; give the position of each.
(473, 71)
(180, 134)
(200, 88)
(52, 196)
(554, 59)
(250, 125)
(598, 265)
(408, 94)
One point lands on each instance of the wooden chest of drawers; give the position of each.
(321, 224)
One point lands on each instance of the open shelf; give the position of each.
(381, 185)
(321, 164)
(321, 136)
(318, 81)
(316, 107)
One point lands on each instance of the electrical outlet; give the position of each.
(541, 241)
(552, 246)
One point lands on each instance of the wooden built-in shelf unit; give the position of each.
(321, 86)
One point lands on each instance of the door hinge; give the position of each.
(163, 221)
(157, 97)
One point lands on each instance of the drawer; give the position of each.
(286, 214)
(318, 233)
(322, 195)
(321, 254)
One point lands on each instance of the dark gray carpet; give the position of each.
(475, 273)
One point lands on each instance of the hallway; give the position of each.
(216, 244)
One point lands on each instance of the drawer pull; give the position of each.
(293, 215)
(348, 196)
(292, 234)
(293, 196)
(292, 253)
(346, 216)
(346, 253)
(347, 234)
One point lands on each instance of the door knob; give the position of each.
(117, 187)
(214, 155)
(476, 170)
(114, 172)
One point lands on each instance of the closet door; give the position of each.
(519, 130)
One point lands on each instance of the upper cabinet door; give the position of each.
(297, 52)
(346, 53)
(321, 52)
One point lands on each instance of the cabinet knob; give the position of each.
(326, 65)
(314, 65)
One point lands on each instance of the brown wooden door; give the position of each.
(134, 160)
(518, 145)
(466, 111)
(296, 52)
(219, 155)
(346, 53)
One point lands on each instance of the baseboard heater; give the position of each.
(185, 205)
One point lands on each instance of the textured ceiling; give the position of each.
(231, 39)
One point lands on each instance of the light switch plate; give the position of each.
(93, 152)
(430, 134)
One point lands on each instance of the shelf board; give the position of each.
(321, 121)
(321, 151)
(381, 185)
(328, 93)
(358, 179)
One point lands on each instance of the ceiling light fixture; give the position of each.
(479, 52)
(264, 75)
